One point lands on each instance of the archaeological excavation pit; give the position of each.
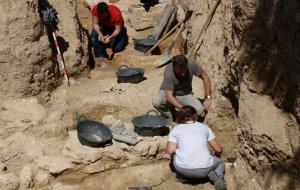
(249, 49)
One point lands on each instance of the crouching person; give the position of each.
(109, 35)
(176, 88)
(188, 145)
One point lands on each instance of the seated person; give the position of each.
(176, 88)
(109, 34)
(188, 145)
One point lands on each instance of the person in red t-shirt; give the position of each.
(109, 34)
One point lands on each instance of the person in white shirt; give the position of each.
(188, 145)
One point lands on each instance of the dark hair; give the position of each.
(102, 8)
(186, 113)
(179, 60)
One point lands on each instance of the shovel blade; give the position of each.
(163, 60)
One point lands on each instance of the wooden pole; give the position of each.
(173, 16)
(208, 19)
(164, 37)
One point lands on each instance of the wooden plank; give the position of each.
(204, 27)
(170, 21)
(163, 20)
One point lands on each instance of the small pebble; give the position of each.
(3, 166)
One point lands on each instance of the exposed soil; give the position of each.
(36, 138)
(135, 58)
(250, 50)
(136, 175)
(98, 112)
(155, 175)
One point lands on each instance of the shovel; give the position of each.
(166, 57)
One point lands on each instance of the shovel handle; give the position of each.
(170, 20)
(181, 24)
(168, 51)
(152, 111)
(79, 118)
(164, 37)
(123, 67)
(208, 19)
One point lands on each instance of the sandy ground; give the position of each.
(136, 98)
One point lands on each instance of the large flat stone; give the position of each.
(27, 176)
(140, 19)
(80, 153)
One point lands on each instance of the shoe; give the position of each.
(180, 178)
(218, 181)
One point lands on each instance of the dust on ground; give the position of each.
(134, 58)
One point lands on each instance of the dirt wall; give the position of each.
(28, 66)
(251, 52)
(267, 63)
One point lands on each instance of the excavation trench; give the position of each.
(249, 50)
(59, 161)
(119, 165)
(146, 164)
(151, 174)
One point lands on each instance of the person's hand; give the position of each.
(100, 37)
(106, 39)
(218, 154)
(207, 103)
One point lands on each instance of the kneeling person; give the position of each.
(109, 35)
(188, 145)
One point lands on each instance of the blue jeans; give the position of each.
(215, 173)
(117, 43)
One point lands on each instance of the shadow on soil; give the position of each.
(271, 65)
(288, 170)
(272, 59)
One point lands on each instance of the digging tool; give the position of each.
(164, 37)
(204, 27)
(49, 16)
(166, 57)
(171, 19)
(163, 20)
(167, 32)
(145, 44)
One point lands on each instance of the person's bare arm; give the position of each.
(170, 97)
(216, 146)
(116, 32)
(171, 148)
(207, 87)
(96, 28)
